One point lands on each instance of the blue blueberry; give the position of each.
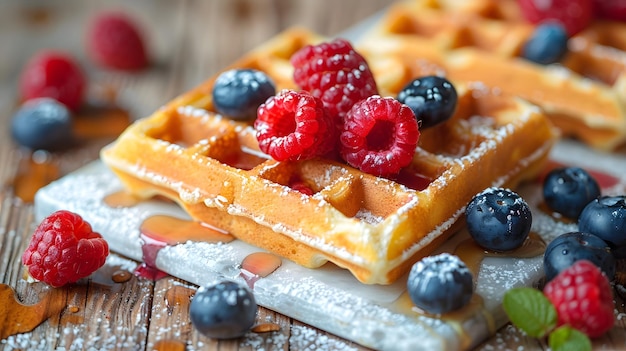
(224, 310)
(433, 99)
(498, 219)
(440, 284)
(568, 248)
(605, 217)
(42, 124)
(237, 93)
(547, 44)
(568, 190)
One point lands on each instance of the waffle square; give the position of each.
(374, 227)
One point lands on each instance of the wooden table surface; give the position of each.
(188, 41)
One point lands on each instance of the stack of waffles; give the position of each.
(481, 41)
(374, 227)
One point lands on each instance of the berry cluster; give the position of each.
(338, 112)
(113, 41)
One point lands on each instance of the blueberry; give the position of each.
(433, 99)
(568, 190)
(568, 248)
(224, 310)
(440, 284)
(547, 44)
(605, 217)
(237, 93)
(42, 124)
(498, 219)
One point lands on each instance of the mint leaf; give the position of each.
(569, 339)
(530, 311)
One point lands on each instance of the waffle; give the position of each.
(374, 227)
(481, 40)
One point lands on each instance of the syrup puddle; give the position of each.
(35, 171)
(258, 265)
(121, 199)
(16, 317)
(160, 231)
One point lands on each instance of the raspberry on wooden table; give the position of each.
(115, 41)
(583, 298)
(64, 249)
(379, 136)
(294, 126)
(55, 75)
(574, 15)
(335, 73)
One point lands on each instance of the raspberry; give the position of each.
(611, 9)
(574, 15)
(64, 249)
(114, 41)
(54, 75)
(379, 136)
(294, 126)
(583, 299)
(335, 73)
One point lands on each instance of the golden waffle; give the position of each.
(481, 40)
(374, 227)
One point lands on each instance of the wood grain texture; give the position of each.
(189, 40)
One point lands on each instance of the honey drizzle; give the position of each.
(258, 265)
(159, 231)
(16, 317)
(473, 254)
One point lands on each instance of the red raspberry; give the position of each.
(611, 9)
(335, 73)
(583, 298)
(115, 41)
(379, 136)
(64, 249)
(575, 15)
(54, 75)
(294, 126)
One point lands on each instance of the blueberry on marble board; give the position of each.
(570, 247)
(440, 284)
(547, 44)
(568, 190)
(498, 219)
(224, 310)
(238, 93)
(42, 124)
(605, 217)
(433, 99)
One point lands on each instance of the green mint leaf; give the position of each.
(530, 311)
(568, 339)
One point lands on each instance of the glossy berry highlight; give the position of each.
(64, 249)
(379, 136)
(583, 299)
(440, 284)
(498, 219)
(568, 248)
(238, 93)
(433, 100)
(568, 190)
(42, 124)
(605, 217)
(224, 310)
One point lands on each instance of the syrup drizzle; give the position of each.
(258, 265)
(121, 199)
(35, 171)
(169, 345)
(16, 317)
(160, 231)
(473, 254)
